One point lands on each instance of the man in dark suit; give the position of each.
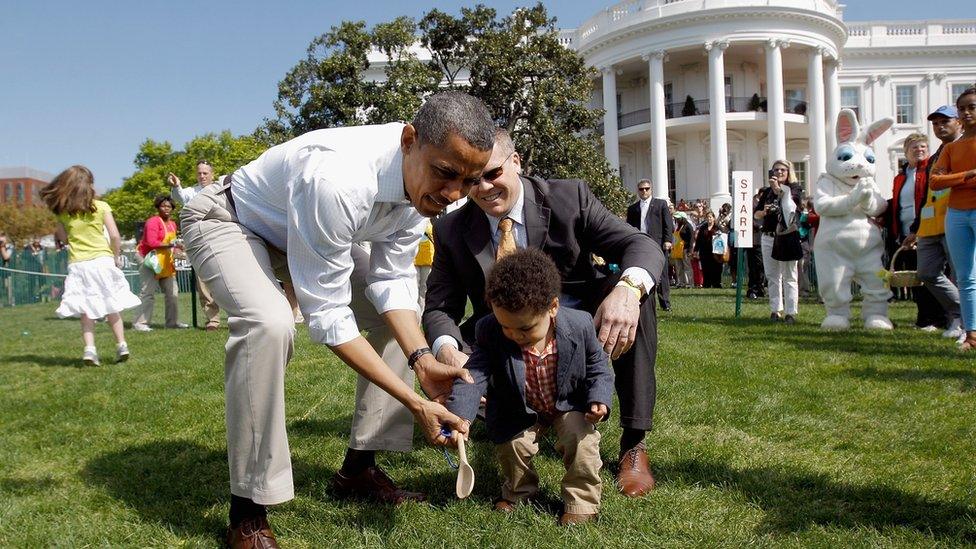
(653, 216)
(568, 223)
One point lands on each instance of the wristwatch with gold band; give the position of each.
(631, 283)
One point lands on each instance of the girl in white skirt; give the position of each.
(95, 286)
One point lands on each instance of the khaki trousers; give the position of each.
(147, 293)
(240, 268)
(579, 443)
(210, 308)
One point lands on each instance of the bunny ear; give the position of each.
(847, 127)
(876, 130)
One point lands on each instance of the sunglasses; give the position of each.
(643, 189)
(495, 173)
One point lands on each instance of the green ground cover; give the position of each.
(766, 435)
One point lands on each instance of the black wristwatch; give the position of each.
(415, 356)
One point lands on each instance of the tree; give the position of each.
(535, 87)
(22, 223)
(132, 202)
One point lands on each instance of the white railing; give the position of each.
(634, 12)
(900, 33)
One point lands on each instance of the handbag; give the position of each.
(786, 241)
(720, 247)
(152, 262)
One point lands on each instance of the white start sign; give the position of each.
(742, 208)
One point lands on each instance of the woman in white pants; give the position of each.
(777, 205)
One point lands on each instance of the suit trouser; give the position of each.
(240, 269)
(664, 286)
(207, 303)
(634, 377)
(147, 293)
(933, 255)
(578, 443)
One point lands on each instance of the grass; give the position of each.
(765, 435)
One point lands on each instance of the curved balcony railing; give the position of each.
(701, 107)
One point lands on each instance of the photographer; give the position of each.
(775, 209)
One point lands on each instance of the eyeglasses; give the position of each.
(644, 189)
(495, 173)
(204, 162)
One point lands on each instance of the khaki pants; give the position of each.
(207, 303)
(147, 293)
(240, 269)
(579, 443)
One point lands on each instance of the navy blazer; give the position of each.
(563, 219)
(497, 366)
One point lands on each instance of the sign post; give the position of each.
(742, 228)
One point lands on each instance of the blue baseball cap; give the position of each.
(945, 110)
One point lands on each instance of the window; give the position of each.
(957, 90)
(905, 104)
(668, 99)
(850, 98)
(800, 169)
(672, 180)
(729, 107)
(620, 104)
(20, 192)
(7, 191)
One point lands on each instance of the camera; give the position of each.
(772, 174)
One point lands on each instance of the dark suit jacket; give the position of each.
(564, 220)
(660, 224)
(497, 366)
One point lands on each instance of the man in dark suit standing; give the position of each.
(653, 216)
(563, 218)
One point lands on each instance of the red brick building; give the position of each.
(22, 185)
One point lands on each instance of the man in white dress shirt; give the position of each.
(182, 195)
(303, 209)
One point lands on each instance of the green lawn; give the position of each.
(766, 435)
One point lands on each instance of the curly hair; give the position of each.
(526, 279)
(160, 198)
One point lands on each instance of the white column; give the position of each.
(718, 185)
(659, 146)
(611, 148)
(815, 114)
(832, 101)
(775, 103)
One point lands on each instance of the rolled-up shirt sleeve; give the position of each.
(320, 228)
(392, 280)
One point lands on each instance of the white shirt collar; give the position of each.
(389, 180)
(517, 213)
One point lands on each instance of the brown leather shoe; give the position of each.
(253, 533)
(570, 519)
(504, 506)
(634, 477)
(372, 484)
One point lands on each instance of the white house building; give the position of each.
(694, 89)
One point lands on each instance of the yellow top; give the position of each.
(932, 216)
(85, 234)
(425, 250)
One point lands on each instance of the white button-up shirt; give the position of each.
(644, 205)
(318, 195)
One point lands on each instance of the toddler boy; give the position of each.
(542, 367)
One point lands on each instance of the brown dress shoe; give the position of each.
(634, 477)
(253, 533)
(504, 505)
(372, 484)
(569, 519)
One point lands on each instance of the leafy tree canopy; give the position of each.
(535, 87)
(22, 223)
(132, 202)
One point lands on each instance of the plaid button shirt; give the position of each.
(540, 377)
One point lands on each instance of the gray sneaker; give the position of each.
(141, 328)
(90, 358)
(122, 353)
